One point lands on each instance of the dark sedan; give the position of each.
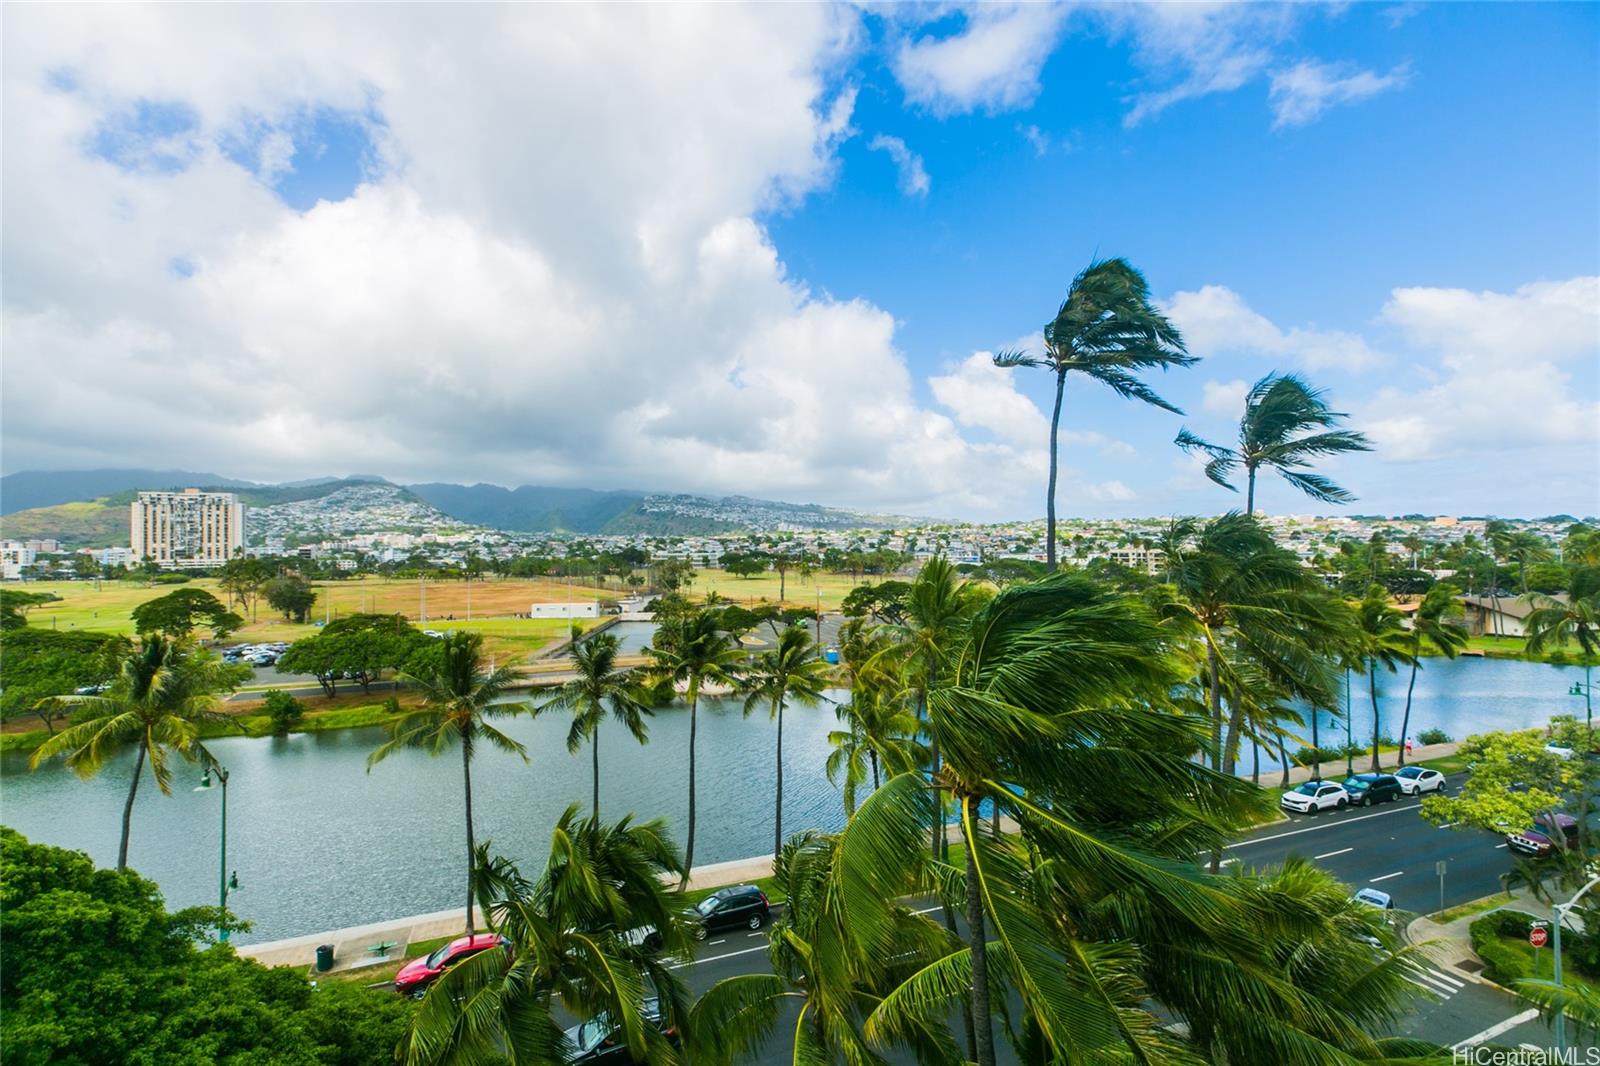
(599, 1039)
(1367, 789)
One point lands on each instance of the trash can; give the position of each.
(324, 958)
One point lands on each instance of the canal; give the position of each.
(321, 843)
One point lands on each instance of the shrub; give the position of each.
(1304, 757)
(285, 711)
(1433, 736)
(170, 579)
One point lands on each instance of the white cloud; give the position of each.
(554, 276)
(992, 64)
(1198, 48)
(1037, 138)
(1111, 492)
(1301, 93)
(1225, 397)
(1216, 319)
(1498, 384)
(913, 178)
(982, 394)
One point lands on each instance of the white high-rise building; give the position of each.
(188, 528)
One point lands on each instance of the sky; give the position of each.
(771, 249)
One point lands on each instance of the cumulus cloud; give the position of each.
(551, 272)
(984, 395)
(1214, 318)
(992, 63)
(1301, 93)
(1499, 383)
(1224, 397)
(913, 177)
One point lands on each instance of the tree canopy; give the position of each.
(178, 614)
(359, 647)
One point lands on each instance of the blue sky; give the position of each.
(768, 258)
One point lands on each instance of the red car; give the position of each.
(415, 976)
(1540, 841)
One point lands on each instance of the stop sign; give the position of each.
(1537, 936)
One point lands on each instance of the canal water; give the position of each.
(321, 843)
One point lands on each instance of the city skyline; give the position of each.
(300, 247)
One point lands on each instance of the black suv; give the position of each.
(1367, 789)
(727, 908)
(599, 1039)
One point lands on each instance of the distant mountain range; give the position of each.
(88, 507)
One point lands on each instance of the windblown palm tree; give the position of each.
(1430, 628)
(163, 692)
(1522, 548)
(1383, 642)
(791, 672)
(1553, 624)
(1247, 600)
(693, 648)
(570, 947)
(1278, 412)
(459, 702)
(599, 688)
(1108, 330)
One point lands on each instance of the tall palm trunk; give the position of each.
(127, 808)
(977, 941)
(594, 752)
(1316, 750)
(1372, 684)
(1050, 497)
(472, 844)
(873, 755)
(1405, 719)
(1214, 703)
(694, 723)
(1283, 761)
(1250, 492)
(777, 813)
(1255, 756)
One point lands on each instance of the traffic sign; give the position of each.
(1537, 936)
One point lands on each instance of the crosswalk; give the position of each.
(1433, 980)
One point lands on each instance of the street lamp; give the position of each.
(225, 883)
(1559, 912)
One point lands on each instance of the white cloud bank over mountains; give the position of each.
(550, 274)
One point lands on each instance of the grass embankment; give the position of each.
(1477, 906)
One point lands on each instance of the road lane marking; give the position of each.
(1385, 877)
(714, 943)
(1499, 846)
(1324, 825)
(1495, 1030)
(1438, 985)
(755, 934)
(1331, 854)
(1449, 825)
(715, 958)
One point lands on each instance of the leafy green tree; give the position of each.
(691, 649)
(569, 948)
(178, 614)
(744, 564)
(1553, 624)
(1431, 628)
(161, 695)
(1515, 779)
(883, 602)
(292, 595)
(599, 690)
(1107, 329)
(1279, 410)
(1523, 548)
(1383, 642)
(41, 663)
(98, 973)
(284, 711)
(880, 735)
(459, 706)
(241, 578)
(15, 605)
(357, 646)
(790, 673)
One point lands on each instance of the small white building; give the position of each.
(1504, 616)
(583, 609)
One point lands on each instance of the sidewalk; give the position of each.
(1450, 944)
(1390, 760)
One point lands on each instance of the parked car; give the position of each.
(1373, 898)
(1367, 789)
(415, 976)
(1314, 796)
(1540, 841)
(1415, 780)
(91, 690)
(729, 908)
(597, 1040)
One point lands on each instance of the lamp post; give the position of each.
(1585, 688)
(1349, 740)
(225, 884)
(1559, 913)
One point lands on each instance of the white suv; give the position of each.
(1314, 796)
(1415, 780)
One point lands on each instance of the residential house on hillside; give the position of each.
(1503, 616)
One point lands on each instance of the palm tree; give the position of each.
(1555, 624)
(599, 687)
(1278, 411)
(1522, 548)
(693, 648)
(570, 946)
(791, 672)
(161, 695)
(1383, 642)
(459, 701)
(1108, 330)
(1428, 625)
(879, 738)
(1247, 600)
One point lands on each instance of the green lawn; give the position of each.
(1477, 906)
